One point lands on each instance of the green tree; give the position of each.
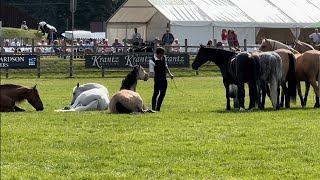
(57, 12)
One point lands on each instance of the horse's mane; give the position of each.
(280, 45)
(130, 79)
(10, 86)
(7, 87)
(223, 51)
(304, 44)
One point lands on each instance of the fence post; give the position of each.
(215, 42)
(186, 45)
(32, 45)
(65, 49)
(38, 67)
(103, 71)
(245, 44)
(7, 73)
(155, 45)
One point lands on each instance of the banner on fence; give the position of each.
(18, 61)
(125, 60)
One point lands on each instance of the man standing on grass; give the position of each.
(157, 69)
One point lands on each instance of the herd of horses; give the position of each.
(273, 66)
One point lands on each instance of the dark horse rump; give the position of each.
(236, 68)
(245, 68)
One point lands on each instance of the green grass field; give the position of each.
(193, 137)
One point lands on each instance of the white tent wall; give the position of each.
(196, 35)
(200, 20)
(123, 31)
(156, 27)
(242, 33)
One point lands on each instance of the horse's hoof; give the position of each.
(66, 108)
(241, 109)
(150, 111)
(316, 106)
(303, 106)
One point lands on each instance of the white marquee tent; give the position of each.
(200, 20)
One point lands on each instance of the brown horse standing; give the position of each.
(10, 94)
(307, 67)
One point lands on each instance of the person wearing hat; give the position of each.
(24, 25)
(167, 39)
(157, 68)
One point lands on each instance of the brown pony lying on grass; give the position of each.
(10, 94)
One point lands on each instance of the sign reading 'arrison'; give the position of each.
(125, 60)
(18, 61)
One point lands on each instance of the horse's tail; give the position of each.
(291, 77)
(91, 106)
(121, 109)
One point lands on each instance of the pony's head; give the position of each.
(34, 99)
(266, 45)
(201, 58)
(301, 47)
(141, 73)
(77, 90)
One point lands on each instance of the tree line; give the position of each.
(57, 12)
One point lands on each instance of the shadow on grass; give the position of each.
(268, 109)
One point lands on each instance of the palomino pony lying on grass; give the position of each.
(88, 97)
(127, 100)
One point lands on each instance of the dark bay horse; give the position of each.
(236, 68)
(127, 100)
(10, 94)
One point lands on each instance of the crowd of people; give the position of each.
(229, 39)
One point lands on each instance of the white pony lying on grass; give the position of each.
(88, 97)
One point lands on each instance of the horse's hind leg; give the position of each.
(313, 83)
(274, 93)
(300, 94)
(17, 109)
(285, 96)
(306, 93)
(252, 94)
(241, 95)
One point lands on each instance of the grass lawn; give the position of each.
(193, 137)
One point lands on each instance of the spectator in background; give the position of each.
(106, 47)
(210, 43)
(136, 37)
(219, 45)
(15, 42)
(224, 37)
(315, 37)
(176, 46)
(167, 40)
(117, 46)
(56, 47)
(233, 39)
(24, 25)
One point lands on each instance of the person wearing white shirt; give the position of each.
(315, 36)
(157, 68)
(136, 37)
